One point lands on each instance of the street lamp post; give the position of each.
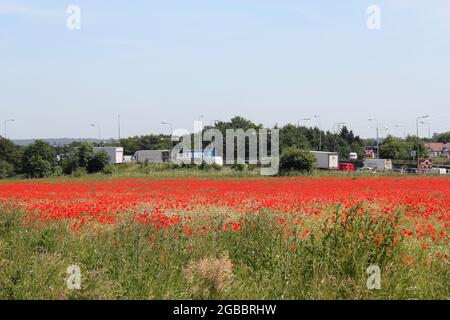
(99, 135)
(335, 127)
(298, 130)
(404, 130)
(200, 123)
(118, 124)
(378, 137)
(320, 131)
(213, 123)
(429, 128)
(6, 122)
(417, 136)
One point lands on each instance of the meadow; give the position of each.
(225, 238)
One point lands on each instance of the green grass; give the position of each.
(121, 262)
(169, 171)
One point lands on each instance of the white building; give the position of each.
(115, 153)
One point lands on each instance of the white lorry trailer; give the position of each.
(115, 153)
(326, 160)
(378, 164)
(151, 156)
(440, 171)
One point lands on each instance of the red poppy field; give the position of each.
(276, 238)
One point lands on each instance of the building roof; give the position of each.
(438, 146)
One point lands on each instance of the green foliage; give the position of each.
(10, 153)
(36, 167)
(108, 169)
(98, 162)
(39, 160)
(400, 149)
(69, 165)
(76, 155)
(79, 172)
(85, 152)
(238, 167)
(294, 159)
(6, 169)
(148, 142)
(444, 137)
(291, 136)
(207, 167)
(70, 161)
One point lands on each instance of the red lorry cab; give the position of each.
(346, 167)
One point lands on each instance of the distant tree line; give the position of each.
(40, 159)
(344, 142)
(442, 137)
(402, 149)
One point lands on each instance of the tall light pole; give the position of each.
(417, 135)
(298, 130)
(337, 125)
(200, 123)
(99, 136)
(404, 130)
(118, 123)
(378, 137)
(429, 128)
(383, 129)
(170, 136)
(335, 128)
(6, 122)
(320, 131)
(213, 123)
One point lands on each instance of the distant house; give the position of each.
(369, 154)
(437, 149)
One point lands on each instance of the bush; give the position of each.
(108, 169)
(36, 167)
(205, 166)
(238, 167)
(79, 172)
(6, 169)
(58, 171)
(69, 164)
(38, 160)
(216, 167)
(294, 159)
(98, 162)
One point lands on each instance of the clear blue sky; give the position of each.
(272, 61)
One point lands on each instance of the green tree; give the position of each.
(395, 148)
(70, 161)
(39, 160)
(291, 136)
(36, 167)
(416, 144)
(6, 169)
(85, 152)
(444, 137)
(148, 142)
(11, 154)
(400, 149)
(98, 162)
(235, 123)
(295, 159)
